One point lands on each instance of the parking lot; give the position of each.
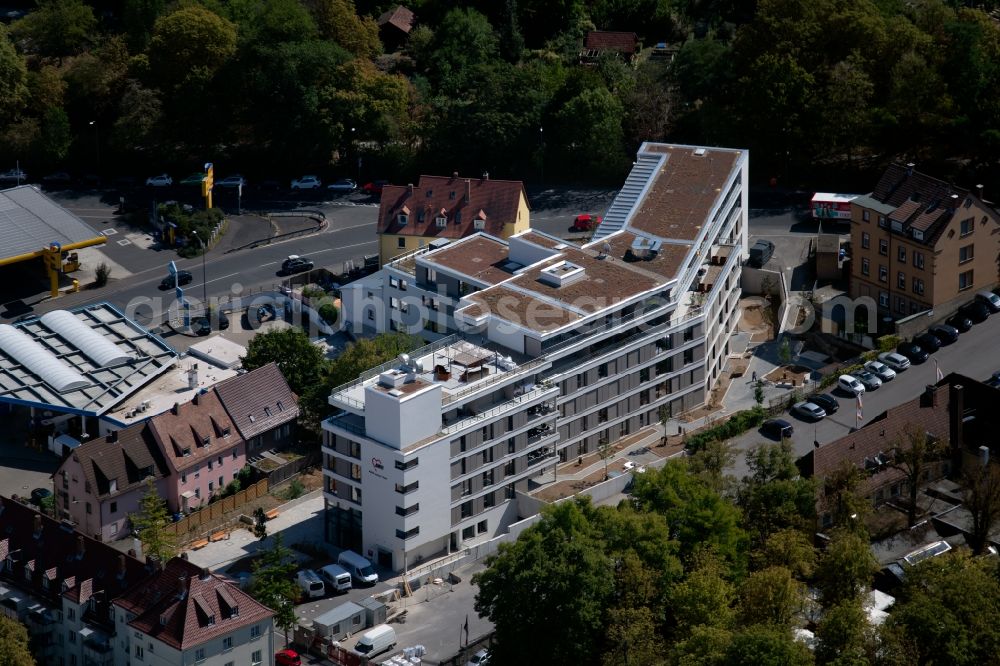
(974, 355)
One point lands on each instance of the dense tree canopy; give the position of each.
(816, 89)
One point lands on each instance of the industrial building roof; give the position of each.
(81, 361)
(30, 222)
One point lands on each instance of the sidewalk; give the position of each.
(298, 521)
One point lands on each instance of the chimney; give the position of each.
(194, 400)
(410, 187)
(81, 548)
(121, 564)
(953, 203)
(131, 552)
(38, 523)
(929, 398)
(205, 574)
(113, 436)
(468, 190)
(175, 410)
(957, 414)
(984, 455)
(909, 168)
(181, 586)
(980, 188)
(454, 175)
(486, 175)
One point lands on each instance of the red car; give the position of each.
(374, 188)
(287, 658)
(585, 222)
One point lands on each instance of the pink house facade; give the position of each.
(202, 447)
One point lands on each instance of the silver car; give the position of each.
(880, 370)
(897, 362)
(870, 381)
(809, 410)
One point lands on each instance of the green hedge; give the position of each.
(888, 343)
(736, 425)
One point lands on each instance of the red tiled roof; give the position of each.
(622, 42)
(76, 565)
(462, 200)
(184, 606)
(186, 426)
(121, 460)
(899, 183)
(258, 401)
(400, 18)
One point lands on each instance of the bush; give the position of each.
(734, 426)
(312, 291)
(329, 313)
(888, 343)
(295, 490)
(101, 274)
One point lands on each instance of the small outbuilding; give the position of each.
(340, 622)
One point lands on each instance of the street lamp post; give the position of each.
(97, 144)
(541, 158)
(204, 272)
(357, 151)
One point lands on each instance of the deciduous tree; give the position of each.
(273, 583)
(845, 568)
(15, 649)
(338, 20)
(300, 361)
(773, 495)
(913, 453)
(13, 79)
(771, 596)
(58, 28)
(190, 44)
(845, 637)
(981, 495)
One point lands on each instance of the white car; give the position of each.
(481, 658)
(236, 180)
(809, 410)
(343, 185)
(880, 370)
(163, 180)
(897, 362)
(850, 385)
(307, 183)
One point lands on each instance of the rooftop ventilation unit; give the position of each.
(699, 151)
(392, 378)
(562, 273)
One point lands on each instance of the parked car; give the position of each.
(194, 179)
(15, 175)
(163, 180)
(481, 658)
(809, 410)
(374, 188)
(960, 322)
(897, 362)
(989, 299)
(829, 403)
(236, 180)
(376, 640)
(307, 183)
(850, 385)
(929, 343)
(994, 380)
(880, 370)
(760, 253)
(270, 183)
(311, 584)
(296, 264)
(203, 325)
(342, 185)
(868, 379)
(975, 311)
(913, 351)
(287, 657)
(777, 428)
(183, 277)
(586, 222)
(944, 333)
(57, 179)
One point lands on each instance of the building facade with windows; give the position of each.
(600, 337)
(187, 615)
(919, 243)
(441, 207)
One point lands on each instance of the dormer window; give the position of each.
(226, 431)
(402, 219)
(267, 411)
(451, 195)
(163, 620)
(206, 440)
(441, 222)
(251, 417)
(281, 407)
(480, 224)
(186, 452)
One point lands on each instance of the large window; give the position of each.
(901, 280)
(866, 267)
(918, 259)
(883, 247)
(901, 254)
(968, 226)
(965, 280)
(966, 253)
(883, 273)
(866, 240)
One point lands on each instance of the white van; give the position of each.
(376, 640)
(360, 569)
(336, 577)
(311, 584)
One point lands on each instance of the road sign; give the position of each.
(179, 293)
(172, 268)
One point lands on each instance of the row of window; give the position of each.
(139, 652)
(883, 249)
(883, 276)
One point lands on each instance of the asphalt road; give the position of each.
(975, 355)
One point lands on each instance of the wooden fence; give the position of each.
(217, 513)
(288, 470)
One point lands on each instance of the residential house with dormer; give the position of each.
(203, 449)
(263, 408)
(411, 217)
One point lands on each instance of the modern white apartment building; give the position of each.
(543, 349)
